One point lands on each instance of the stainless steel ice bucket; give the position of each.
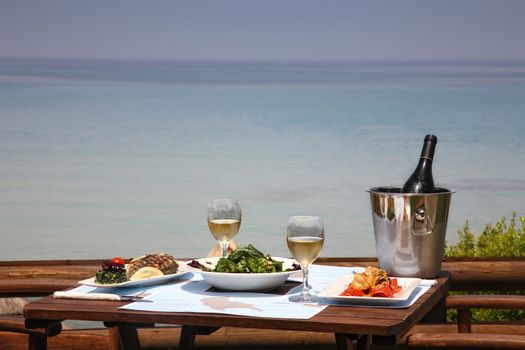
(410, 230)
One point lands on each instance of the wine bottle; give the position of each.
(421, 180)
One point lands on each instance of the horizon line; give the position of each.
(303, 61)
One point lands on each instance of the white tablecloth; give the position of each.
(189, 294)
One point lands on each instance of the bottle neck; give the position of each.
(428, 150)
(425, 163)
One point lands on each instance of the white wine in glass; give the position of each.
(305, 249)
(224, 229)
(305, 239)
(224, 221)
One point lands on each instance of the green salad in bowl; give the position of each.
(245, 260)
(245, 269)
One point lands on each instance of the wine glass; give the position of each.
(305, 238)
(224, 220)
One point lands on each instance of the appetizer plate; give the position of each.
(243, 281)
(138, 283)
(333, 291)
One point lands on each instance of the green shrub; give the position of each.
(504, 239)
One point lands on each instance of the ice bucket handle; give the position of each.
(422, 225)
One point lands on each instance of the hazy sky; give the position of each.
(263, 30)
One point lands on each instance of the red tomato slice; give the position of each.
(118, 260)
(352, 292)
(386, 290)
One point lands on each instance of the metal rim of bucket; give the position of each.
(390, 190)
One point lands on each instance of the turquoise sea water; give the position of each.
(106, 158)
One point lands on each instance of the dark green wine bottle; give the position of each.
(421, 180)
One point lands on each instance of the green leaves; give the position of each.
(109, 277)
(248, 260)
(504, 239)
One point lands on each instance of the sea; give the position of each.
(104, 158)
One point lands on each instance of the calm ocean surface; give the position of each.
(106, 158)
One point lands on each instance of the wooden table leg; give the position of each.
(188, 333)
(187, 339)
(124, 336)
(39, 331)
(384, 340)
(363, 343)
(438, 314)
(341, 341)
(129, 337)
(357, 342)
(37, 341)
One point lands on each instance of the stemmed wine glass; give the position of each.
(305, 238)
(224, 220)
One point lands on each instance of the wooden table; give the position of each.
(360, 325)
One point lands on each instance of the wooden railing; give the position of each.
(42, 277)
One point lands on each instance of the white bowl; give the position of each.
(244, 281)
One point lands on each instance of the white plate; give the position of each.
(243, 281)
(333, 291)
(143, 282)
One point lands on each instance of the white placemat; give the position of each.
(191, 295)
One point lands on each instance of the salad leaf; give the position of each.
(248, 260)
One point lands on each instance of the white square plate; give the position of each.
(334, 290)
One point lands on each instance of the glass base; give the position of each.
(304, 298)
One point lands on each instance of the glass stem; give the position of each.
(224, 246)
(306, 286)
